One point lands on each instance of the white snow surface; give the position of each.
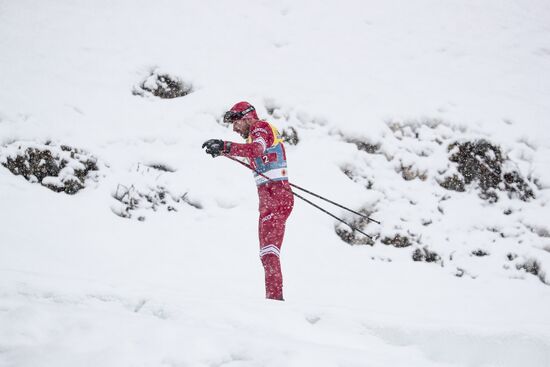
(83, 286)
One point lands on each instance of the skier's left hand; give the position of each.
(215, 147)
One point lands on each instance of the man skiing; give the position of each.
(266, 155)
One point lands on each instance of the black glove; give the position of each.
(215, 147)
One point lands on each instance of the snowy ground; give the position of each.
(82, 284)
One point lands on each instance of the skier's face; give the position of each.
(242, 127)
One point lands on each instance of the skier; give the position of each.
(265, 153)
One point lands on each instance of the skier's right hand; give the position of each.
(215, 147)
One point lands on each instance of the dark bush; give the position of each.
(397, 241)
(482, 162)
(365, 146)
(290, 136)
(45, 163)
(161, 167)
(410, 173)
(480, 253)
(426, 255)
(454, 182)
(155, 198)
(532, 266)
(163, 86)
(350, 172)
(352, 237)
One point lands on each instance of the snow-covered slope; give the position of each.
(154, 262)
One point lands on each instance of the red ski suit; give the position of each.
(266, 154)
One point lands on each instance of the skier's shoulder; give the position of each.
(261, 127)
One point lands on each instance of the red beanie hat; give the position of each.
(245, 109)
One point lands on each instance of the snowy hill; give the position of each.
(123, 244)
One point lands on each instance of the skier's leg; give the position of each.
(273, 277)
(273, 215)
(271, 231)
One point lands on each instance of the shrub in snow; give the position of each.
(59, 168)
(162, 85)
(480, 253)
(154, 198)
(290, 136)
(357, 177)
(365, 146)
(287, 120)
(532, 266)
(540, 230)
(422, 130)
(459, 272)
(397, 241)
(161, 167)
(424, 254)
(454, 182)
(352, 237)
(483, 162)
(149, 192)
(511, 256)
(410, 173)
(446, 160)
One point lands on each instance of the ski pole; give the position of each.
(329, 213)
(334, 203)
(304, 199)
(311, 193)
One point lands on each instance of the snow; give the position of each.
(83, 284)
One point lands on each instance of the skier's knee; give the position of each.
(269, 254)
(266, 217)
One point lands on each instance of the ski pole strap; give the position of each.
(310, 202)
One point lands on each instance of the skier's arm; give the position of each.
(249, 150)
(262, 137)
